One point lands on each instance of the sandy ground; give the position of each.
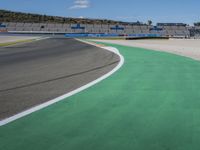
(5, 39)
(189, 48)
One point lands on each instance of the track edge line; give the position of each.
(63, 97)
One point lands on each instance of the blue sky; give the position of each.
(186, 11)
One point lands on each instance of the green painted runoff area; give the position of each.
(151, 103)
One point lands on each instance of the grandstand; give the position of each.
(75, 28)
(174, 29)
(16, 22)
(162, 29)
(195, 31)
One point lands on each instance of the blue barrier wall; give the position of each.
(89, 35)
(76, 35)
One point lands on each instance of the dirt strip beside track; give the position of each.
(183, 47)
(6, 38)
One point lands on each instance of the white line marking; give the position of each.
(39, 107)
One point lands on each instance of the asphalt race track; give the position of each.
(33, 73)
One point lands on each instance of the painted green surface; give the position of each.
(151, 103)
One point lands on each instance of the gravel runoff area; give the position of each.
(36, 72)
(184, 47)
(7, 39)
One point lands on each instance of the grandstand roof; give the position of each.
(171, 24)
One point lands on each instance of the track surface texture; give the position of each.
(34, 73)
(6, 39)
(151, 103)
